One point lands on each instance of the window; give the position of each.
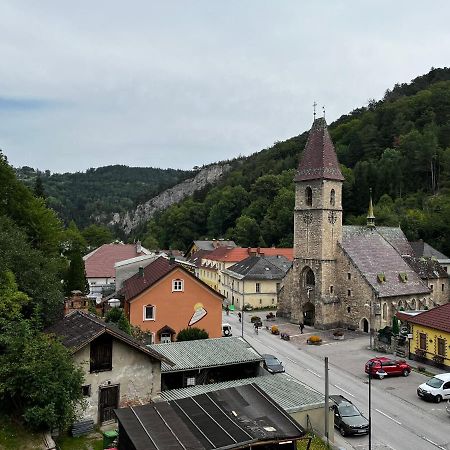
(349, 292)
(149, 312)
(413, 304)
(177, 285)
(273, 301)
(422, 341)
(260, 301)
(165, 338)
(331, 289)
(441, 347)
(348, 309)
(278, 287)
(308, 196)
(86, 390)
(258, 287)
(332, 197)
(310, 279)
(349, 276)
(431, 287)
(384, 311)
(443, 288)
(101, 354)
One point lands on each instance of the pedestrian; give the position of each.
(240, 316)
(301, 326)
(227, 310)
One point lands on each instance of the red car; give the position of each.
(383, 366)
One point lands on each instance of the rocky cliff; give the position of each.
(208, 175)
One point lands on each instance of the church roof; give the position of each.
(377, 253)
(427, 268)
(421, 248)
(319, 158)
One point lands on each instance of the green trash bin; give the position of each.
(108, 438)
(231, 307)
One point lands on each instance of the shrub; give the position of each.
(338, 333)
(255, 319)
(192, 334)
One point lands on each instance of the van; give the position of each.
(436, 388)
(226, 330)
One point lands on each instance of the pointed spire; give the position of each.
(370, 214)
(319, 158)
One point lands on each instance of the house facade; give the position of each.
(255, 281)
(163, 298)
(118, 371)
(343, 276)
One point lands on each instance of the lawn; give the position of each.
(316, 444)
(90, 442)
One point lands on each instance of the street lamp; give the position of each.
(370, 363)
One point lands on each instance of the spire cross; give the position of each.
(314, 106)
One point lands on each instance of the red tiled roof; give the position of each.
(437, 318)
(154, 272)
(236, 254)
(319, 158)
(100, 262)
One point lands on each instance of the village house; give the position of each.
(343, 276)
(163, 298)
(208, 246)
(99, 266)
(255, 281)
(118, 370)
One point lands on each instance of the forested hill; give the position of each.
(398, 146)
(97, 193)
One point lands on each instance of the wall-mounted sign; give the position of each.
(199, 313)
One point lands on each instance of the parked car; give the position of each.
(226, 330)
(436, 388)
(383, 366)
(272, 364)
(347, 417)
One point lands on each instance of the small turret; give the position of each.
(370, 215)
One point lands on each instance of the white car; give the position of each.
(436, 388)
(226, 330)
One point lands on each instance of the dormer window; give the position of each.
(381, 277)
(308, 196)
(332, 197)
(177, 285)
(403, 277)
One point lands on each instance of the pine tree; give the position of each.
(39, 188)
(76, 275)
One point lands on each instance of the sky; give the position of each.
(183, 83)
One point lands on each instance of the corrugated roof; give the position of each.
(373, 255)
(202, 353)
(319, 158)
(291, 394)
(100, 262)
(262, 268)
(78, 329)
(437, 318)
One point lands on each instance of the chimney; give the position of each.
(141, 271)
(171, 259)
(138, 247)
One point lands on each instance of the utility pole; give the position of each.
(327, 401)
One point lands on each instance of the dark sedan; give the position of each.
(347, 417)
(272, 364)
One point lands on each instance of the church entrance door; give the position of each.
(309, 312)
(365, 325)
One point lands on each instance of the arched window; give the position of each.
(413, 304)
(384, 311)
(332, 197)
(308, 196)
(310, 279)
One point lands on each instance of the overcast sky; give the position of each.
(183, 83)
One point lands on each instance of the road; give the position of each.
(400, 420)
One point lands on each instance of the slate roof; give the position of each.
(437, 318)
(233, 418)
(100, 262)
(426, 268)
(319, 158)
(291, 394)
(78, 329)
(154, 272)
(261, 268)
(421, 248)
(215, 243)
(202, 353)
(237, 254)
(374, 251)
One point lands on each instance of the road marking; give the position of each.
(389, 417)
(433, 443)
(312, 371)
(343, 390)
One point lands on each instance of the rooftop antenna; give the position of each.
(323, 109)
(314, 106)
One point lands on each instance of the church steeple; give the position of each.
(370, 214)
(319, 160)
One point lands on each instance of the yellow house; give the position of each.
(255, 281)
(431, 335)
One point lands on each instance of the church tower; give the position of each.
(317, 229)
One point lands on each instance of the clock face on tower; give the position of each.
(332, 217)
(307, 218)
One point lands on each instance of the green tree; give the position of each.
(97, 235)
(395, 326)
(192, 334)
(39, 188)
(12, 301)
(246, 232)
(76, 274)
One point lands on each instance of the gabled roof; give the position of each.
(196, 257)
(234, 418)
(213, 244)
(152, 273)
(379, 261)
(237, 254)
(261, 268)
(421, 248)
(426, 268)
(78, 329)
(291, 394)
(319, 158)
(100, 262)
(203, 353)
(437, 318)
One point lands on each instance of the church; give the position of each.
(355, 277)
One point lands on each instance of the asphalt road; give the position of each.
(400, 420)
